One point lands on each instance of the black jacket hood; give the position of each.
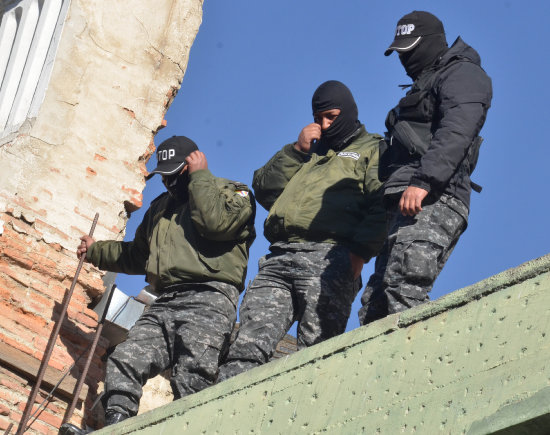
(459, 50)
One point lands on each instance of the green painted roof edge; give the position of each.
(476, 291)
(339, 344)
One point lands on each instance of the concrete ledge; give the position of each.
(451, 366)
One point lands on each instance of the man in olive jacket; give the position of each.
(193, 246)
(432, 148)
(326, 219)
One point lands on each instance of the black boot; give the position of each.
(71, 429)
(114, 417)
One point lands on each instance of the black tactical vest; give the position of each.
(411, 124)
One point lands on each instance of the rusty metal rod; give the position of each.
(34, 416)
(70, 410)
(8, 430)
(51, 344)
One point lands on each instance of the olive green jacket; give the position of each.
(206, 238)
(332, 198)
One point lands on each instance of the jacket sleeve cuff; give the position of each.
(92, 254)
(418, 182)
(291, 151)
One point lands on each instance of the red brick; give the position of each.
(10, 396)
(13, 239)
(19, 258)
(46, 267)
(21, 336)
(4, 410)
(4, 423)
(37, 425)
(38, 277)
(15, 274)
(11, 384)
(28, 320)
(37, 303)
(53, 420)
(88, 319)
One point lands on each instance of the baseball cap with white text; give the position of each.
(171, 155)
(411, 28)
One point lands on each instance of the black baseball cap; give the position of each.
(171, 155)
(411, 28)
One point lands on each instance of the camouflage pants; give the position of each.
(311, 283)
(186, 330)
(413, 255)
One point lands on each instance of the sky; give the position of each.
(255, 65)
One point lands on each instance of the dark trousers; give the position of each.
(311, 283)
(415, 251)
(185, 330)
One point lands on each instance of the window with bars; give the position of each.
(29, 35)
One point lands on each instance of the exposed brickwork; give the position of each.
(34, 279)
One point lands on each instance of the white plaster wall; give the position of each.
(116, 69)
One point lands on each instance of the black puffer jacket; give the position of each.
(446, 106)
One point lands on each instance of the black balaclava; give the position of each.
(428, 50)
(335, 95)
(177, 185)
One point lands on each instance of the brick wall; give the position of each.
(34, 279)
(114, 76)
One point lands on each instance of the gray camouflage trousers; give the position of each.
(311, 283)
(185, 330)
(415, 251)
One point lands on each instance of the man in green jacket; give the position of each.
(326, 219)
(193, 246)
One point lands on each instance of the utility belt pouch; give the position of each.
(408, 138)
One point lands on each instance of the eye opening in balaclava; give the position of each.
(335, 95)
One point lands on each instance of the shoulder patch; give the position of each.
(351, 154)
(242, 193)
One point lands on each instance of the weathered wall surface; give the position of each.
(475, 362)
(117, 69)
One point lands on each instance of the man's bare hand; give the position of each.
(357, 263)
(86, 242)
(308, 134)
(196, 160)
(410, 203)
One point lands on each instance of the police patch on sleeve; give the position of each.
(242, 193)
(350, 154)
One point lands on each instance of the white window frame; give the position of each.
(30, 31)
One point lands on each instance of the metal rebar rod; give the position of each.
(70, 410)
(51, 344)
(8, 430)
(34, 416)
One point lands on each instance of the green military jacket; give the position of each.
(206, 238)
(332, 198)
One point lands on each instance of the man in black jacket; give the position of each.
(431, 149)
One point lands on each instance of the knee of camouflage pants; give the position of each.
(190, 376)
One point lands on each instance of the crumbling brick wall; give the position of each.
(114, 76)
